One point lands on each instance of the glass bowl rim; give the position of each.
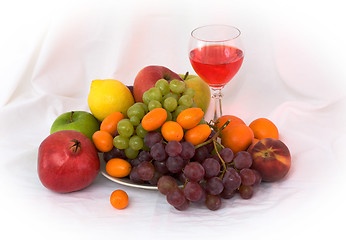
(218, 25)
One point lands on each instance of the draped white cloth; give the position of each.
(293, 73)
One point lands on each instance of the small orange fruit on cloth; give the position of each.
(119, 199)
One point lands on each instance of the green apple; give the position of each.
(81, 121)
(203, 95)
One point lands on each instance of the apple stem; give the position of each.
(71, 119)
(76, 146)
(186, 74)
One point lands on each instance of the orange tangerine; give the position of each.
(154, 119)
(198, 134)
(109, 124)
(264, 128)
(103, 141)
(117, 167)
(234, 120)
(172, 131)
(238, 137)
(190, 117)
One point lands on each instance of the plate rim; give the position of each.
(125, 183)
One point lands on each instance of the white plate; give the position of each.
(124, 181)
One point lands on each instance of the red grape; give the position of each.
(231, 179)
(194, 171)
(173, 148)
(193, 191)
(175, 164)
(242, 160)
(158, 152)
(214, 186)
(166, 184)
(248, 177)
(213, 202)
(151, 138)
(176, 197)
(145, 171)
(212, 167)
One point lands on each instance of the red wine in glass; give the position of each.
(216, 64)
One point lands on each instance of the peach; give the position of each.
(271, 158)
(148, 76)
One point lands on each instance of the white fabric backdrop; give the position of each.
(292, 74)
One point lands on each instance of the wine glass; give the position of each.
(216, 54)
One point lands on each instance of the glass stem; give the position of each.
(217, 96)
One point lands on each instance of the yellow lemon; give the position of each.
(108, 96)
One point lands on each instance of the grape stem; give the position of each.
(215, 136)
(222, 146)
(186, 181)
(214, 140)
(222, 161)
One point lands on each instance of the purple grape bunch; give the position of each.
(188, 174)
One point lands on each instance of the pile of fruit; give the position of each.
(155, 133)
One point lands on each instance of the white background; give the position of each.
(293, 73)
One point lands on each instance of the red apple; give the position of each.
(148, 76)
(67, 161)
(271, 158)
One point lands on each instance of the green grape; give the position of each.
(190, 91)
(140, 131)
(143, 106)
(218, 147)
(154, 94)
(203, 121)
(145, 97)
(135, 121)
(179, 109)
(131, 153)
(169, 116)
(125, 128)
(170, 104)
(121, 142)
(186, 100)
(170, 94)
(135, 110)
(136, 142)
(177, 86)
(146, 148)
(163, 85)
(154, 104)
